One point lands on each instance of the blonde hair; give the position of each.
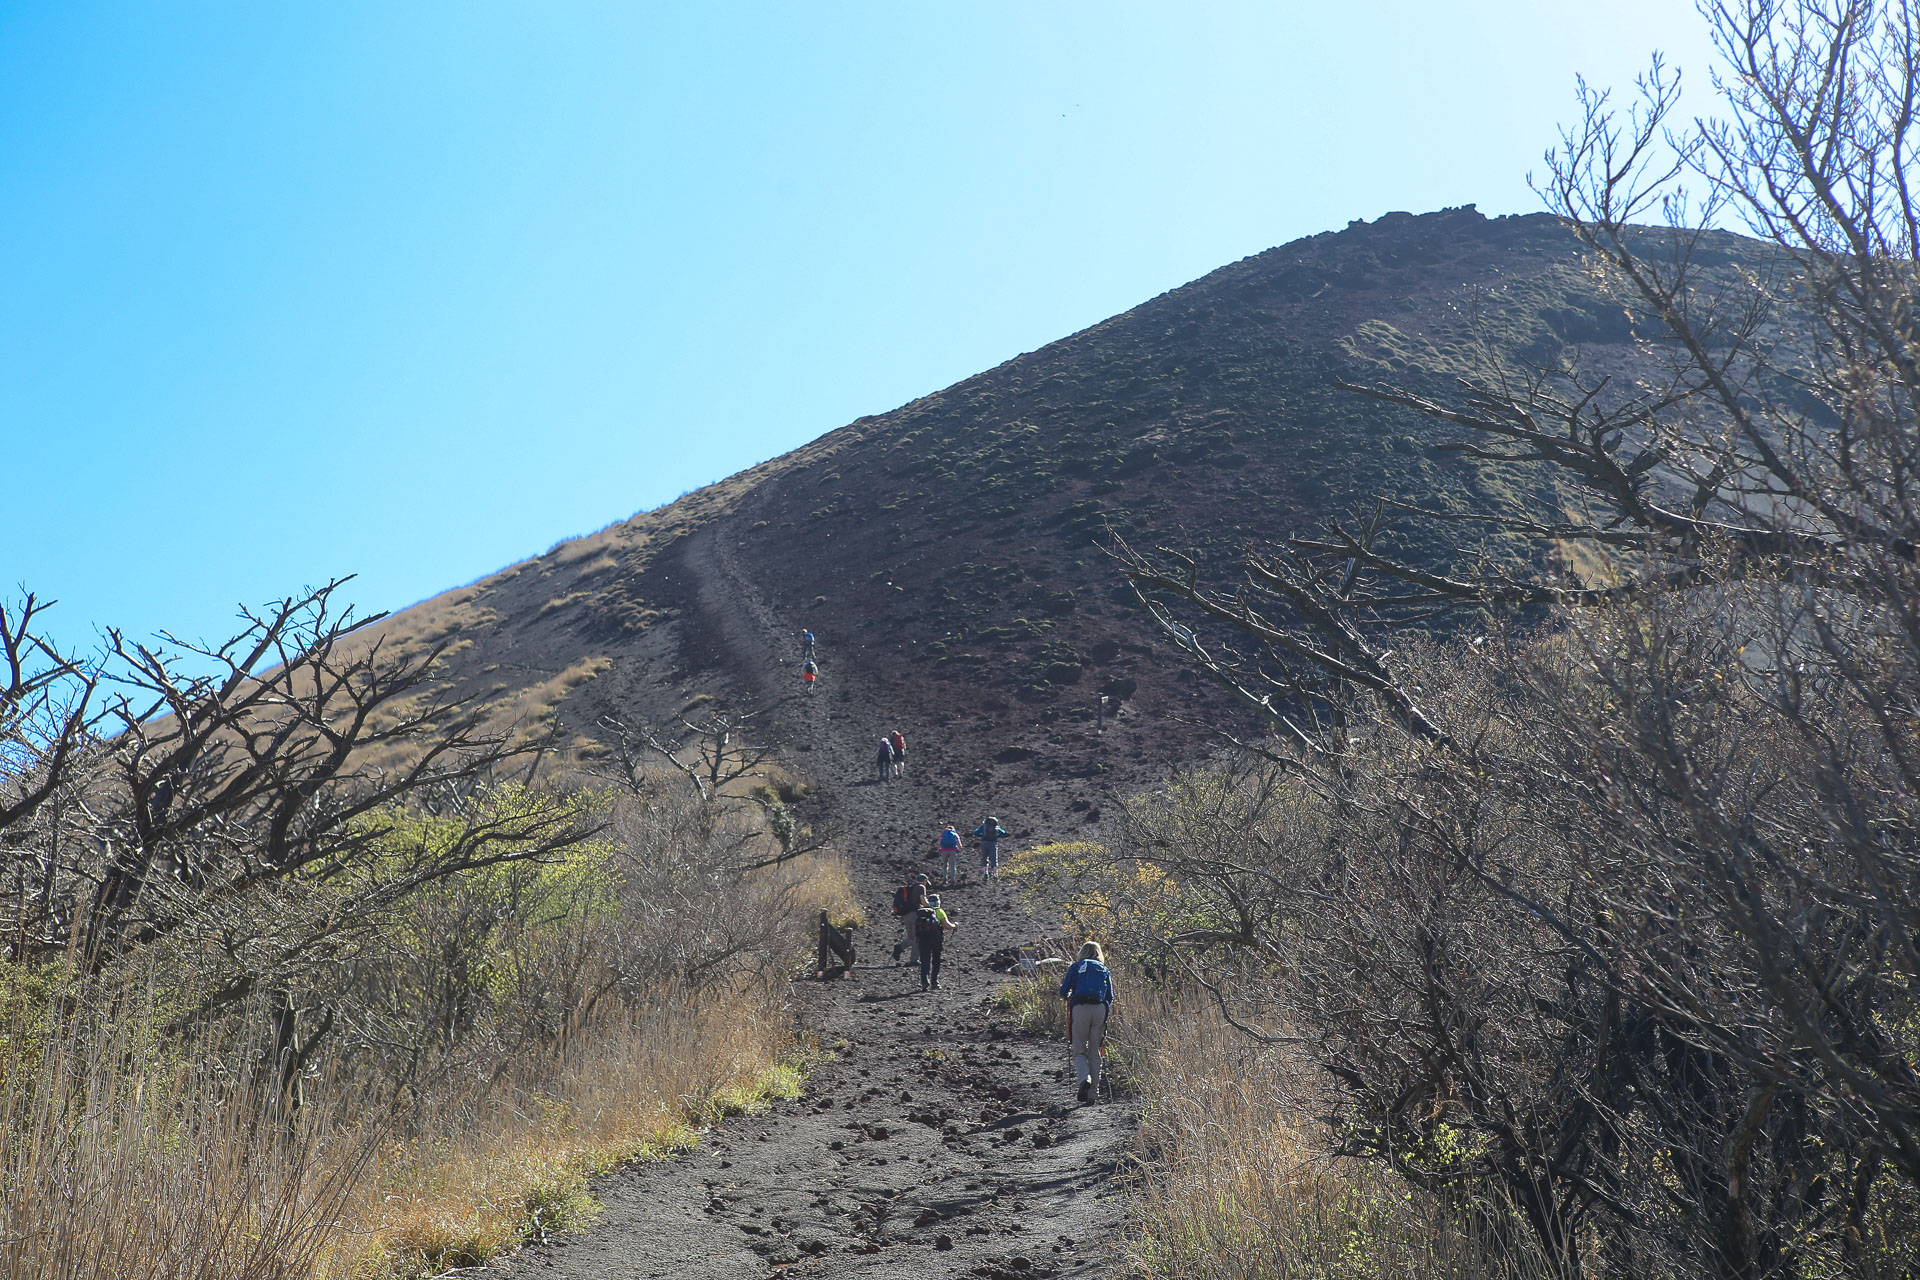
(1092, 951)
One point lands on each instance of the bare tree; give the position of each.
(245, 803)
(716, 753)
(1695, 800)
(720, 745)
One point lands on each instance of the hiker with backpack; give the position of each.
(1087, 987)
(808, 674)
(899, 743)
(907, 899)
(806, 646)
(989, 834)
(931, 925)
(950, 855)
(883, 761)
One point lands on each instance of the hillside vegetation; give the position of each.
(306, 973)
(1504, 808)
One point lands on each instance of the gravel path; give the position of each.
(936, 1142)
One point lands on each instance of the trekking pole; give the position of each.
(1106, 1078)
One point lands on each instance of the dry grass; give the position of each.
(127, 1153)
(120, 1161)
(1235, 1182)
(515, 1164)
(527, 712)
(519, 716)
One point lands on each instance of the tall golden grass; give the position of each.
(128, 1151)
(1235, 1181)
(125, 1158)
(514, 1161)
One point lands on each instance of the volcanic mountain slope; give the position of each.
(946, 556)
(946, 552)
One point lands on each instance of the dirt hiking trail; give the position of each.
(937, 1141)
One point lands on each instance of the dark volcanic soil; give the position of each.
(936, 1142)
(950, 556)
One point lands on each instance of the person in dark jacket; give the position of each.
(910, 898)
(933, 940)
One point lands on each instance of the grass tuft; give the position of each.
(1236, 1181)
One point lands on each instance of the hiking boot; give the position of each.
(1086, 1087)
(936, 984)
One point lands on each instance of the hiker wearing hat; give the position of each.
(931, 927)
(908, 898)
(989, 834)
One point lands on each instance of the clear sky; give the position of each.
(416, 288)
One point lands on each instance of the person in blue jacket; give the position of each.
(989, 834)
(1087, 987)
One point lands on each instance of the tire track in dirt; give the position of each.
(935, 1142)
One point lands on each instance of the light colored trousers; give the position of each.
(1086, 1031)
(950, 865)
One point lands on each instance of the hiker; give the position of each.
(950, 855)
(883, 761)
(899, 743)
(808, 674)
(835, 948)
(931, 927)
(1088, 990)
(906, 900)
(989, 835)
(806, 646)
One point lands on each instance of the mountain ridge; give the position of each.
(946, 551)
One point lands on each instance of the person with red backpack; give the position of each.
(1087, 987)
(899, 743)
(906, 900)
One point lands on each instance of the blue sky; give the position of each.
(417, 288)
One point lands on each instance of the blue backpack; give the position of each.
(1091, 982)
